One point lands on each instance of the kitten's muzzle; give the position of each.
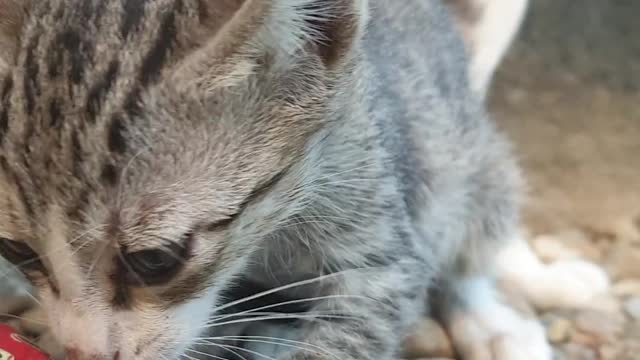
(75, 354)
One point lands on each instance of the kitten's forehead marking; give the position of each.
(77, 77)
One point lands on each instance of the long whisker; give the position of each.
(53, 251)
(123, 175)
(329, 176)
(286, 287)
(276, 341)
(95, 261)
(17, 270)
(181, 356)
(200, 353)
(304, 316)
(271, 313)
(96, 228)
(240, 349)
(215, 356)
(30, 295)
(12, 316)
(345, 183)
(290, 302)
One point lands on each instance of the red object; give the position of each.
(15, 347)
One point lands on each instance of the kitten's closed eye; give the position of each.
(21, 255)
(155, 266)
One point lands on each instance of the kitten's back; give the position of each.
(455, 168)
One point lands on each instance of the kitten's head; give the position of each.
(147, 146)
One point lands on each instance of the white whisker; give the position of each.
(286, 287)
(11, 316)
(306, 317)
(290, 302)
(276, 341)
(241, 349)
(123, 174)
(215, 356)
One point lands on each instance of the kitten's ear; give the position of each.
(277, 30)
(13, 14)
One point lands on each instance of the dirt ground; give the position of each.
(569, 97)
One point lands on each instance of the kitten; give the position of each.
(229, 179)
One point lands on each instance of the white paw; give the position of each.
(568, 284)
(562, 284)
(483, 328)
(496, 332)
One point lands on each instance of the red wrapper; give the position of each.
(15, 347)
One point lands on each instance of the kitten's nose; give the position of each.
(73, 353)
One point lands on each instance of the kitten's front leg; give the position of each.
(370, 320)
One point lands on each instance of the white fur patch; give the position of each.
(193, 317)
(487, 330)
(562, 284)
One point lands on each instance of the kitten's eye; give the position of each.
(154, 267)
(21, 255)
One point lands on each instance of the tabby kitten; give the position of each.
(178, 175)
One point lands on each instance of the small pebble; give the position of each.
(632, 306)
(579, 352)
(551, 249)
(627, 287)
(608, 352)
(623, 262)
(567, 245)
(606, 303)
(428, 340)
(559, 331)
(605, 326)
(587, 339)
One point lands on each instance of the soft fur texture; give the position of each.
(329, 150)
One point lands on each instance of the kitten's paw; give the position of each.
(497, 332)
(562, 284)
(567, 284)
(483, 328)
